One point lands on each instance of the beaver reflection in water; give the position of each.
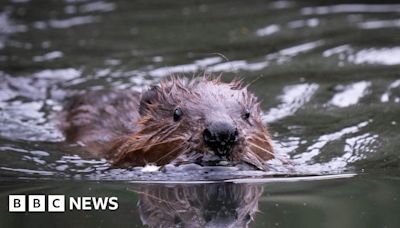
(199, 205)
(201, 121)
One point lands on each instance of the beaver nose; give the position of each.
(220, 137)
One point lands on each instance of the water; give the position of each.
(327, 75)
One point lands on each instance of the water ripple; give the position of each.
(351, 8)
(66, 23)
(350, 94)
(293, 98)
(270, 29)
(315, 149)
(99, 6)
(185, 68)
(9, 26)
(378, 24)
(48, 56)
(386, 96)
(29, 171)
(384, 56)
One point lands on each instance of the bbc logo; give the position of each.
(58, 203)
(36, 203)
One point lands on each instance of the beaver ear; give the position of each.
(148, 97)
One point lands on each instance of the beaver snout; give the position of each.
(220, 137)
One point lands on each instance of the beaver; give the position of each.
(200, 120)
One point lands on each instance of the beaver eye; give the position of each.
(246, 114)
(177, 114)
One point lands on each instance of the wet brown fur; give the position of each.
(136, 129)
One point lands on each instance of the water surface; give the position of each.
(327, 74)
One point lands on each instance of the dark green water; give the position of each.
(328, 75)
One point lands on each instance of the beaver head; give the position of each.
(199, 120)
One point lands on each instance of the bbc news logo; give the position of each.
(58, 203)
